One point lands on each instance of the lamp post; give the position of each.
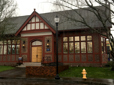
(56, 22)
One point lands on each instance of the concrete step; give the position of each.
(29, 64)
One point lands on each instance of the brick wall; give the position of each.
(44, 71)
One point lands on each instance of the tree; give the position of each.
(7, 10)
(104, 16)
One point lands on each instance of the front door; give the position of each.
(37, 54)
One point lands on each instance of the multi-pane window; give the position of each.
(77, 44)
(9, 47)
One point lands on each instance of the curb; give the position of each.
(65, 80)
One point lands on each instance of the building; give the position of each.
(35, 41)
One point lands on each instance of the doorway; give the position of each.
(36, 51)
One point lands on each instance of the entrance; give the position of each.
(37, 51)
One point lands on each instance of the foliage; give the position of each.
(92, 72)
(7, 10)
(4, 68)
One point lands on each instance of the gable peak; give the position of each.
(34, 9)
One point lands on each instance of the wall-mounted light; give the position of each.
(47, 43)
(23, 44)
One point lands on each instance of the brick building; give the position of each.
(35, 42)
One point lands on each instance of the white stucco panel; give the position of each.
(36, 34)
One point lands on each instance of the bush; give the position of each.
(109, 64)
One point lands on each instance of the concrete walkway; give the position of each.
(17, 77)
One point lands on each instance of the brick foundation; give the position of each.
(44, 71)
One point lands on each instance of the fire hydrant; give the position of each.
(84, 74)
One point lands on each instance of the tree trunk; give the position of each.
(112, 66)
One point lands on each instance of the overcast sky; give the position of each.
(26, 7)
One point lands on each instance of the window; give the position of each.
(65, 47)
(89, 44)
(103, 44)
(77, 44)
(83, 47)
(1, 47)
(83, 44)
(9, 47)
(37, 43)
(71, 47)
(77, 47)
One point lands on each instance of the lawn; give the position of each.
(4, 68)
(92, 72)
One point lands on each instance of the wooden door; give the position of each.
(37, 54)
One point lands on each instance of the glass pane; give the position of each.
(9, 41)
(18, 41)
(13, 42)
(17, 49)
(33, 26)
(1, 49)
(9, 49)
(5, 49)
(41, 25)
(13, 49)
(83, 47)
(37, 43)
(65, 47)
(1, 42)
(37, 25)
(71, 48)
(5, 41)
(65, 39)
(70, 38)
(101, 38)
(102, 47)
(89, 47)
(77, 47)
(83, 38)
(89, 37)
(77, 38)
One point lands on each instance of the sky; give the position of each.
(26, 7)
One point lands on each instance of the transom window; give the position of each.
(77, 44)
(36, 43)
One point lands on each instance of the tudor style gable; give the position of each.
(35, 23)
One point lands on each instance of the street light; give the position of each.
(56, 19)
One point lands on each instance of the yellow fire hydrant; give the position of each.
(84, 74)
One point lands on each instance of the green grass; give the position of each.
(92, 72)
(4, 68)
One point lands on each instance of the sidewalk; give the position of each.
(18, 75)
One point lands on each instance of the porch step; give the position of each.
(29, 64)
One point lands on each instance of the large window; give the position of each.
(9, 47)
(77, 44)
